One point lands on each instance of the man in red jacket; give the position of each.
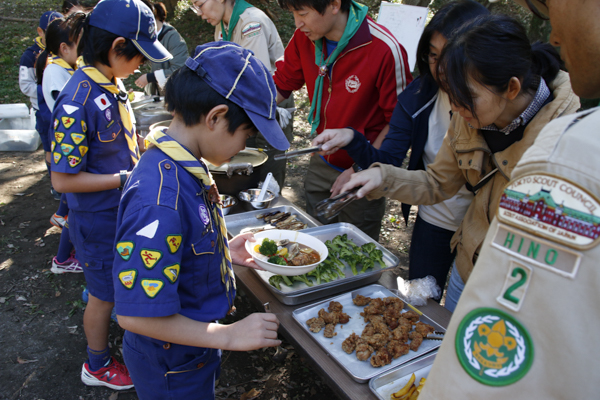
(354, 70)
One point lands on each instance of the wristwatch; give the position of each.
(123, 177)
(356, 167)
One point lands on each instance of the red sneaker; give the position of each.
(114, 376)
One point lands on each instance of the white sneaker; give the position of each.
(71, 265)
(58, 221)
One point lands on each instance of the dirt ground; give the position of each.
(41, 314)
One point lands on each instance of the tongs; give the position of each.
(330, 208)
(296, 153)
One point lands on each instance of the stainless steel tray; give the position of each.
(390, 382)
(236, 222)
(360, 371)
(301, 293)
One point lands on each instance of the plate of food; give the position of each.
(287, 253)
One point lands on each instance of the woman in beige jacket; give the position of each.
(503, 92)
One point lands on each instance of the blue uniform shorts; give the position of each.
(42, 126)
(162, 370)
(93, 236)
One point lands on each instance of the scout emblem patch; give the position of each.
(56, 157)
(70, 109)
(173, 241)
(128, 277)
(74, 161)
(59, 136)
(77, 137)
(55, 123)
(125, 249)
(493, 347)
(150, 257)
(108, 114)
(66, 148)
(83, 150)
(172, 272)
(552, 207)
(152, 287)
(203, 214)
(102, 102)
(83, 126)
(67, 122)
(149, 230)
(251, 29)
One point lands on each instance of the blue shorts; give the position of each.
(93, 236)
(162, 371)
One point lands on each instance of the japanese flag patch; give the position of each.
(102, 102)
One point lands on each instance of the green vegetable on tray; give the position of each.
(277, 260)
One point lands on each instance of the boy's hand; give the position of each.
(369, 179)
(253, 332)
(142, 81)
(333, 140)
(237, 249)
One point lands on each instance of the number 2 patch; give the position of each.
(515, 286)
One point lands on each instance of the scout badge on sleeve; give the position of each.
(174, 242)
(128, 278)
(150, 257)
(493, 347)
(67, 122)
(172, 272)
(152, 287)
(125, 249)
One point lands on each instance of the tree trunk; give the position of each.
(170, 5)
(421, 3)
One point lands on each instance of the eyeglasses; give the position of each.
(198, 7)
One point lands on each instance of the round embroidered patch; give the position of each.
(203, 212)
(493, 347)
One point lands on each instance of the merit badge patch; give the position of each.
(55, 123)
(56, 157)
(83, 150)
(149, 230)
(251, 29)
(173, 241)
(52, 146)
(493, 347)
(59, 136)
(127, 277)
(552, 207)
(70, 109)
(74, 161)
(102, 102)
(77, 138)
(172, 272)
(150, 257)
(125, 249)
(66, 148)
(67, 122)
(203, 212)
(83, 126)
(352, 84)
(152, 287)
(108, 114)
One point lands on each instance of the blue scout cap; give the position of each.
(133, 20)
(237, 75)
(48, 17)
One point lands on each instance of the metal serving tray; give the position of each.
(301, 293)
(392, 381)
(360, 371)
(236, 222)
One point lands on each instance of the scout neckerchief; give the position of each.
(238, 8)
(121, 96)
(61, 63)
(356, 16)
(40, 43)
(177, 152)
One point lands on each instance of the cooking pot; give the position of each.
(149, 110)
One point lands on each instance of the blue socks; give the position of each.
(98, 359)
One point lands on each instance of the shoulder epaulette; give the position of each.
(82, 93)
(168, 192)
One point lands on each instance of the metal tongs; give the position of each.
(296, 153)
(330, 208)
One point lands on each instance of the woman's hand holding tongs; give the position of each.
(333, 139)
(369, 179)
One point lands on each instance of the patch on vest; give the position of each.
(552, 207)
(127, 278)
(77, 138)
(352, 84)
(203, 213)
(251, 29)
(493, 347)
(174, 242)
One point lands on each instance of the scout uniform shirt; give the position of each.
(527, 323)
(167, 259)
(89, 136)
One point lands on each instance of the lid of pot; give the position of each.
(161, 124)
(248, 155)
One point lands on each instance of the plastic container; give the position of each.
(17, 128)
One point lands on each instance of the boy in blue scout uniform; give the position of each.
(94, 148)
(172, 271)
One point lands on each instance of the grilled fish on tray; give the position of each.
(277, 220)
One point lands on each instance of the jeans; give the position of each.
(455, 289)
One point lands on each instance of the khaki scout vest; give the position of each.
(527, 325)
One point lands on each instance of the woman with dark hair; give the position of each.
(71, 6)
(154, 82)
(420, 121)
(503, 91)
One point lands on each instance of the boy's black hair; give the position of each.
(491, 50)
(56, 33)
(95, 43)
(189, 96)
(318, 5)
(446, 21)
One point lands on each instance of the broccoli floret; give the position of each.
(268, 248)
(366, 263)
(377, 256)
(368, 247)
(276, 281)
(287, 280)
(302, 278)
(352, 259)
(277, 260)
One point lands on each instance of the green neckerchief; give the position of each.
(356, 16)
(238, 8)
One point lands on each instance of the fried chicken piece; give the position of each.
(382, 357)
(397, 348)
(335, 306)
(411, 315)
(401, 333)
(363, 350)
(381, 327)
(375, 307)
(424, 329)
(391, 316)
(393, 302)
(349, 344)
(361, 300)
(377, 340)
(329, 331)
(315, 324)
(329, 318)
(368, 331)
(342, 317)
(416, 340)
